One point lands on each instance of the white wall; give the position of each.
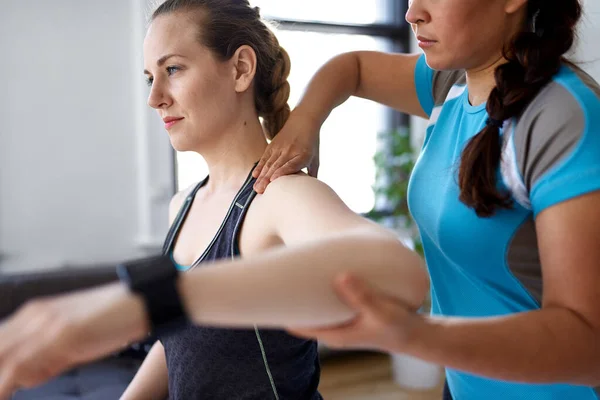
(74, 132)
(588, 50)
(85, 169)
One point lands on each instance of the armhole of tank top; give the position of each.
(180, 217)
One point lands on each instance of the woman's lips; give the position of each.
(169, 122)
(425, 42)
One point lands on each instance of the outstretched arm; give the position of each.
(287, 287)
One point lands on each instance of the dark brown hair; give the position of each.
(534, 56)
(224, 26)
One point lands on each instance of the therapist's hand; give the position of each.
(48, 336)
(295, 147)
(382, 322)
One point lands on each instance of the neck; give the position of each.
(481, 81)
(231, 159)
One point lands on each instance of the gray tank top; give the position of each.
(241, 364)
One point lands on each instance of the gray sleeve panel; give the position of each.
(547, 132)
(443, 82)
(523, 260)
(587, 80)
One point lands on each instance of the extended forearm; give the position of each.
(331, 86)
(290, 287)
(293, 286)
(549, 345)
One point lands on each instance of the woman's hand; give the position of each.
(49, 336)
(382, 322)
(295, 147)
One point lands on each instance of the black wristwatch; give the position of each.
(155, 279)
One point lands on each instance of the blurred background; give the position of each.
(87, 171)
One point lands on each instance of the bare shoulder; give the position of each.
(297, 184)
(298, 208)
(304, 189)
(299, 200)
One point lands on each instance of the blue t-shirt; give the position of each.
(483, 267)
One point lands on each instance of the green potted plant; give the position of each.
(394, 162)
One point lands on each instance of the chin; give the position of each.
(180, 145)
(440, 63)
(183, 143)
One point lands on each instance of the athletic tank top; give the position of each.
(242, 364)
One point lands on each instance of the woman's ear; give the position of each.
(244, 64)
(512, 6)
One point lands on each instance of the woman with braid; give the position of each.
(237, 266)
(214, 68)
(506, 194)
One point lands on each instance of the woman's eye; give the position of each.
(172, 70)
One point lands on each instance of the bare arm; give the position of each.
(151, 380)
(389, 79)
(384, 78)
(291, 286)
(288, 287)
(559, 342)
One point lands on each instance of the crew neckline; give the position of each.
(471, 109)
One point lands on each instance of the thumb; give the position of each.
(356, 293)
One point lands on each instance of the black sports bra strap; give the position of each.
(183, 211)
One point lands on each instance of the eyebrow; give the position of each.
(163, 59)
